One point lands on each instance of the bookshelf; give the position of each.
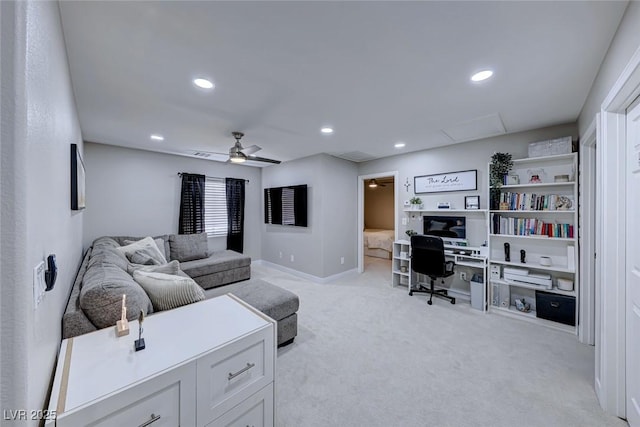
(541, 219)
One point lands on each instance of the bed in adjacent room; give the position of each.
(378, 243)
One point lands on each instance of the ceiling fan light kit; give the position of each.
(238, 157)
(239, 154)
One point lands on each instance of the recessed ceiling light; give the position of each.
(326, 130)
(481, 75)
(399, 144)
(157, 137)
(203, 83)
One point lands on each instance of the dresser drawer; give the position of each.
(164, 401)
(231, 374)
(256, 411)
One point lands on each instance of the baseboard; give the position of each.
(303, 275)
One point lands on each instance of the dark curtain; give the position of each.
(235, 214)
(191, 219)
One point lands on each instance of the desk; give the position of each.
(467, 256)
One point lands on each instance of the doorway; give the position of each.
(377, 219)
(588, 212)
(614, 379)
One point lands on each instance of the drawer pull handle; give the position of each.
(555, 304)
(241, 371)
(153, 419)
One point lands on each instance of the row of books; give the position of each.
(528, 227)
(535, 202)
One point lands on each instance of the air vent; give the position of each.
(201, 154)
(355, 156)
(478, 128)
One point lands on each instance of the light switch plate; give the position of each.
(38, 284)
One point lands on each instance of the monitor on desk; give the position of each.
(445, 226)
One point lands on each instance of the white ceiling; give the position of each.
(378, 72)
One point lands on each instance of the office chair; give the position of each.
(427, 257)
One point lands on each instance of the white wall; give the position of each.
(339, 215)
(465, 156)
(39, 122)
(332, 205)
(135, 192)
(625, 42)
(610, 313)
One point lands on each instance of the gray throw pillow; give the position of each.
(143, 251)
(167, 291)
(187, 247)
(170, 268)
(159, 243)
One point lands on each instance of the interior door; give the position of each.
(633, 266)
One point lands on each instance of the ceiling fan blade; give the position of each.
(251, 150)
(264, 159)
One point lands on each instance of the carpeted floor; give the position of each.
(367, 354)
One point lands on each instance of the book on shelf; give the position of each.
(536, 202)
(512, 226)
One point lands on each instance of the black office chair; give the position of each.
(427, 257)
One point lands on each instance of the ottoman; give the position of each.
(279, 304)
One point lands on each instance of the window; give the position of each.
(215, 207)
(288, 213)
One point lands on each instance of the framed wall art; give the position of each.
(444, 182)
(472, 202)
(77, 180)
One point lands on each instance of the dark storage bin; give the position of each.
(559, 308)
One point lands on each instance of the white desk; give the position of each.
(468, 256)
(203, 364)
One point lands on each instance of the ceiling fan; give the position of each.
(373, 183)
(239, 154)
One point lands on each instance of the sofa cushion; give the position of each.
(106, 255)
(143, 251)
(272, 300)
(101, 295)
(216, 262)
(168, 291)
(188, 247)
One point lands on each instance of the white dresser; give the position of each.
(206, 364)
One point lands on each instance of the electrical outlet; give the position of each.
(292, 258)
(463, 276)
(404, 221)
(38, 284)
(341, 260)
(280, 254)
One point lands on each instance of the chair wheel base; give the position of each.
(453, 301)
(410, 293)
(429, 302)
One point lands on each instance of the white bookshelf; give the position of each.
(514, 223)
(400, 261)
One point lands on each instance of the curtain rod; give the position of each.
(217, 177)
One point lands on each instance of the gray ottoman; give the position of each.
(279, 304)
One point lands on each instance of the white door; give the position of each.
(633, 266)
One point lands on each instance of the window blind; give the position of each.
(288, 212)
(215, 207)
